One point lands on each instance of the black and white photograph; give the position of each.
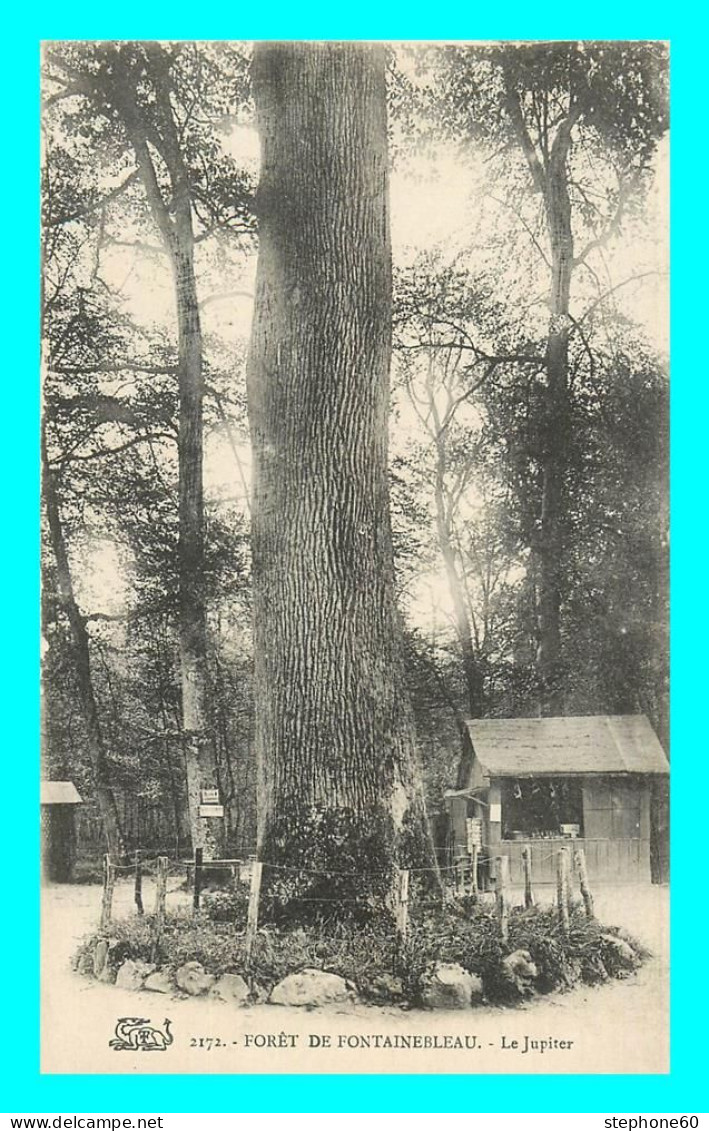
(354, 541)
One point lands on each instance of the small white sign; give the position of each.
(495, 812)
(210, 796)
(211, 810)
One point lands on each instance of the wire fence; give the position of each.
(452, 881)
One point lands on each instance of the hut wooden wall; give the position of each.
(616, 837)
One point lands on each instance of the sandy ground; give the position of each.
(619, 1027)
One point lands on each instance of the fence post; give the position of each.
(580, 858)
(160, 896)
(252, 915)
(474, 870)
(138, 890)
(527, 868)
(562, 887)
(109, 879)
(502, 884)
(459, 874)
(402, 904)
(198, 858)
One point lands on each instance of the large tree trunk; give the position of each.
(339, 779)
(82, 665)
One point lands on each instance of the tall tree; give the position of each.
(339, 777)
(445, 321)
(147, 93)
(82, 662)
(585, 118)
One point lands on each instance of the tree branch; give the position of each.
(514, 109)
(606, 294)
(146, 439)
(97, 205)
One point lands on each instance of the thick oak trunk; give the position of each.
(82, 666)
(339, 780)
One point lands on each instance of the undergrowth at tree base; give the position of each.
(369, 955)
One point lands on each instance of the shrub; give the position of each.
(227, 906)
(368, 956)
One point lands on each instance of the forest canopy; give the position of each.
(455, 343)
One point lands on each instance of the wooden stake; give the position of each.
(502, 884)
(138, 891)
(459, 878)
(109, 880)
(562, 887)
(402, 904)
(527, 868)
(252, 915)
(198, 858)
(160, 898)
(474, 870)
(580, 858)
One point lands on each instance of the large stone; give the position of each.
(133, 973)
(311, 988)
(520, 971)
(160, 982)
(231, 988)
(449, 986)
(193, 978)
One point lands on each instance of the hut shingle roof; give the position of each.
(596, 744)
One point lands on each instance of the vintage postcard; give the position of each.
(355, 557)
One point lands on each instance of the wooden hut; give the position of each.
(542, 783)
(58, 801)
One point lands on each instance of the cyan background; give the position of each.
(25, 1090)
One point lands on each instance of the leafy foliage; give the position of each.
(369, 957)
(467, 415)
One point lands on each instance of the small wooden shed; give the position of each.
(542, 783)
(58, 801)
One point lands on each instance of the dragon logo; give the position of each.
(138, 1035)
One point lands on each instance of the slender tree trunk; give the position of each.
(555, 433)
(339, 778)
(550, 176)
(461, 618)
(200, 753)
(80, 639)
(554, 443)
(173, 756)
(174, 221)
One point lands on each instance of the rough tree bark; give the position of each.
(338, 772)
(80, 639)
